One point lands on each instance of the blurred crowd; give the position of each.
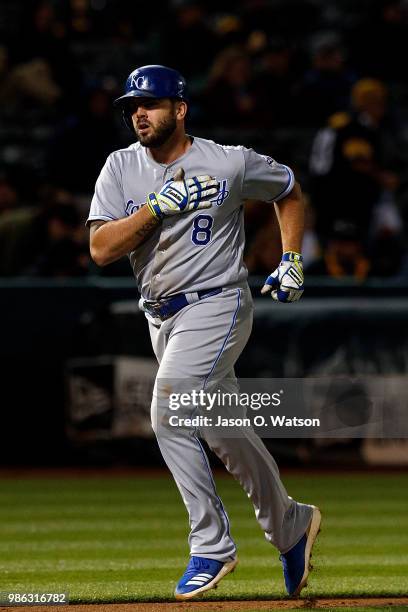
(317, 84)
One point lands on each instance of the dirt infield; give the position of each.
(225, 606)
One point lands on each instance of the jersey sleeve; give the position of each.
(108, 200)
(264, 178)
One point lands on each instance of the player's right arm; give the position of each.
(111, 237)
(111, 240)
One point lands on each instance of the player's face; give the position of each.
(154, 120)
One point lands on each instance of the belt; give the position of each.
(167, 307)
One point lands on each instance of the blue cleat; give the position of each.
(202, 575)
(296, 562)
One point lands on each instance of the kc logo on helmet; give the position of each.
(139, 82)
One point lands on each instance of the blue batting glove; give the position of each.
(286, 282)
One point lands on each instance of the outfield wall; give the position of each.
(55, 335)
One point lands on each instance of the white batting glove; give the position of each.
(179, 195)
(286, 282)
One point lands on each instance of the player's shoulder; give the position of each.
(121, 155)
(219, 149)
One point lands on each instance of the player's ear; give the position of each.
(181, 109)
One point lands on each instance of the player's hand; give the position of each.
(179, 195)
(286, 282)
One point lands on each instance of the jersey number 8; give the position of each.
(201, 233)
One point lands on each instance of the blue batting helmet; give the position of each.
(153, 81)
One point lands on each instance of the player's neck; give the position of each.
(178, 144)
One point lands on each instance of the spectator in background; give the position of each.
(28, 83)
(8, 195)
(273, 85)
(83, 143)
(229, 99)
(44, 42)
(344, 255)
(26, 86)
(347, 167)
(325, 88)
(294, 19)
(379, 42)
(45, 242)
(80, 21)
(188, 42)
(388, 256)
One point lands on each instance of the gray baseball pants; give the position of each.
(202, 342)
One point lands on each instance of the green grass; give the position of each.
(124, 539)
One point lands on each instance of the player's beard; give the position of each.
(159, 134)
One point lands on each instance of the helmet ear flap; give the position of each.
(127, 118)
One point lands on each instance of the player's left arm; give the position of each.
(263, 178)
(286, 282)
(290, 212)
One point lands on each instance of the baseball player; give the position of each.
(174, 204)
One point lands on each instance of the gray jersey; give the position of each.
(200, 343)
(196, 250)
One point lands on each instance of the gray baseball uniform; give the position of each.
(192, 252)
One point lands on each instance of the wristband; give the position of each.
(153, 206)
(292, 256)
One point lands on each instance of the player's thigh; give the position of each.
(202, 347)
(226, 405)
(158, 336)
(208, 337)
